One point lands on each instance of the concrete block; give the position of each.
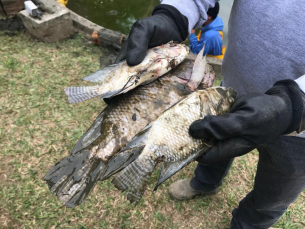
(53, 4)
(52, 27)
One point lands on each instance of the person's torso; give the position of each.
(265, 44)
(212, 35)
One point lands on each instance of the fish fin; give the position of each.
(301, 135)
(100, 75)
(134, 177)
(91, 134)
(97, 76)
(168, 169)
(74, 177)
(198, 71)
(174, 104)
(79, 94)
(139, 139)
(111, 94)
(121, 161)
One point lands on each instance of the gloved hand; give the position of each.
(253, 120)
(166, 24)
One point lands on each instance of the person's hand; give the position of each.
(166, 24)
(253, 120)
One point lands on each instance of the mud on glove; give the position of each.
(253, 120)
(166, 24)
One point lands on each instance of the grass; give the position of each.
(38, 127)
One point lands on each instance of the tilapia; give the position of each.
(94, 156)
(167, 141)
(121, 78)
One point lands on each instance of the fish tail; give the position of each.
(74, 177)
(79, 94)
(134, 177)
(127, 155)
(121, 161)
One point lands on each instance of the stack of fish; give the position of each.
(142, 127)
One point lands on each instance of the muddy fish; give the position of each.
(94, 156)
(120, 78)
(166, 140)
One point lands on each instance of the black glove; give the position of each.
(166, 24)
(253, 120)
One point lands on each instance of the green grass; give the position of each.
(38, 127)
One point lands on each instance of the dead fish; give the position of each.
(167, 140)
(94, 156)
(120, 78)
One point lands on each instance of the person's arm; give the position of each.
(194, 10)
(196, 46)
(171, 20)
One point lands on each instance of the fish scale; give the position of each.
(95, 155)
(169, 131)
(161, 143)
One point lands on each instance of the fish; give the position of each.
(95, 156)
(121, 78)
(167, 141)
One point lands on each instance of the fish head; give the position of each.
(157, 62)
(227, 98)
(217, 100)
(172, 49)
(174, 52)
(181, 74)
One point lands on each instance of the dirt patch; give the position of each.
(11, 24)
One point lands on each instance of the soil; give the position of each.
(11, 24)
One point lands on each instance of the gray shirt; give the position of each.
(266, 41)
